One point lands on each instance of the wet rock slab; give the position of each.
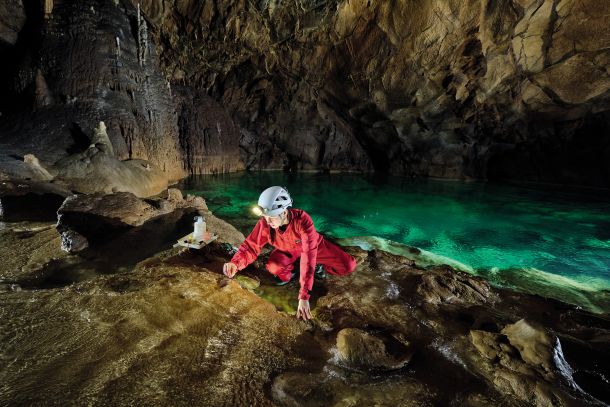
(162, 336)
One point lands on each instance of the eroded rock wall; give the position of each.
(209, 139)
(511, 89)
(74, 65)
(460, 89)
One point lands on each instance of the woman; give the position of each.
(292, 233)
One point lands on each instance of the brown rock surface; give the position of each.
(26, 251)
(81, 64)
(102, 218)
(361, 349)
(172, 330)
(208, 136)
(446, 286)
(476, 89)
(12, 18)
(525, 361)
(491, 90)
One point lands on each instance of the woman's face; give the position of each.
(275, 221)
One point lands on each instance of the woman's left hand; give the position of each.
(303, 310)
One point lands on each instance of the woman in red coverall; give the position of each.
(292, 233)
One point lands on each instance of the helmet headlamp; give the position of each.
(258, 210)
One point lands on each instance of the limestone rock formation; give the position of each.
(12, 19)
(100, 218)
(490, 90)
(199, 337)
(361, 349)
(524, 361)
(498, 90)
(446, 286)
(76, 65)
(208, 136)
(28, 252)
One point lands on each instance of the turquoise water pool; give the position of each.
(550, 242)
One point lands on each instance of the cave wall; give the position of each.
(512, 89)
(209, 138)
(72, 66)
(81, 62)
(459, 89)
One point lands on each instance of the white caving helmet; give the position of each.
(273, 201)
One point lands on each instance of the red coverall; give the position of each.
(299, 239)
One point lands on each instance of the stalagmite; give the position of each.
(48, 8)
(100, 138)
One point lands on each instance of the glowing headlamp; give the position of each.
(258, 211)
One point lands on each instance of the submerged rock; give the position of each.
(246, 282)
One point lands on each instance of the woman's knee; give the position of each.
(349, 264)
(343, 266)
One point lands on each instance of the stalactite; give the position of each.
(142, 38)
(118, 50)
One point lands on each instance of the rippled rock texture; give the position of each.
(172, 330)
(504, 89)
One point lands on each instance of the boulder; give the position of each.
(361, 349)
(100, 218)
(451, 286)
(527, 362)
(536, 347)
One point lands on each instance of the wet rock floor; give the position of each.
(170, 329)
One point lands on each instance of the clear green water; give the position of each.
(553, 243)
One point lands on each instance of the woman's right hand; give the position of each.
(229, 269)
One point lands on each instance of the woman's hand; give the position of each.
(229, 269)
(303, 310)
